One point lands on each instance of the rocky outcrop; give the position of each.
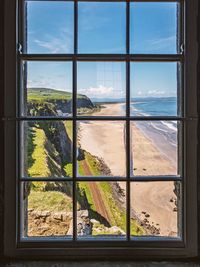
(51, 107)
(84, 225)
(46, 223)
(85, 102)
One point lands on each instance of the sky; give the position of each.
(102, 29)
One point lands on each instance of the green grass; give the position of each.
(92, 163)
(49, 201)
(47, 94)
(69, 129)
(117, 215)
(39, 166)
(68, 168)
(136, 229)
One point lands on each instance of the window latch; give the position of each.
(19, 48)
(182, 49)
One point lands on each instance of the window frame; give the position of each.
(150, 248)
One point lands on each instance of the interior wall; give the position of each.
(2, 144)
(1, 123)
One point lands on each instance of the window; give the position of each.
(101, 116)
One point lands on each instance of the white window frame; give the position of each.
(167, 248)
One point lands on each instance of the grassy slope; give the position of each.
(39, 166)
(47, 94)
(68, 168)
(49, 201)
(39, 199)
(57, 200)
(117, 215)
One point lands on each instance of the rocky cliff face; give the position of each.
(50, 107)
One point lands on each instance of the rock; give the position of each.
(57, 216)
(94, 221)
(66, 216)
(147, 215)
(116, 230)
(83, 213)
(70, 230)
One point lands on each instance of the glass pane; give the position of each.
(102, 28)
(101, 148)
(46, 149)
(101, 210)
(102, 85)
(50, 27)
(47, 209)
(156, 207)
(47, 88)
(154, 28)
(154, 88)
(154, 148)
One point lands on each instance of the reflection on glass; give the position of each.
(154, 28)
(102, 27)
(101, 148)
(49, 27)
(101, 88)
(46, 149)
(155, 206)
(47, 88)
(101, 209)
(47, 209)
(154, 89)
(154, 148)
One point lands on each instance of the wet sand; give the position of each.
(107, 141)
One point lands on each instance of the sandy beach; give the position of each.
(107, 141)
(111, 109)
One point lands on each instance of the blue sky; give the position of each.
(102, 29)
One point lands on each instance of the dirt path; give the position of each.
(96, 194)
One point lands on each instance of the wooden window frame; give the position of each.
(142, 248)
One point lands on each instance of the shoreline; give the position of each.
(151, 201)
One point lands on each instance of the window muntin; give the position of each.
(127, 120)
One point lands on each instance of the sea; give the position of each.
(163, 133)
(165, 106)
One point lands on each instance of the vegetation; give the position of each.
(49, 201)
(39, 160)
(49, 154)
(47, 95)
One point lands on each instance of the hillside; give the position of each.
(60, 101)
(48, 205)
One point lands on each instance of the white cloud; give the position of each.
(156, 93)
(163, 41)
(56, 44)
(159, 43)
(139, 93)
(102, 92)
